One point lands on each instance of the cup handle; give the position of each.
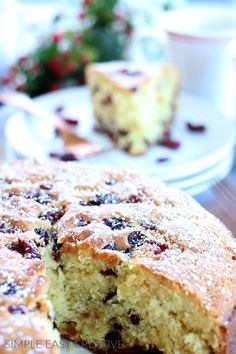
(150, 46)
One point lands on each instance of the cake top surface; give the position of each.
(120, 217)
(127, 74)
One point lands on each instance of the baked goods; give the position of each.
(131, 262)
(133, 103)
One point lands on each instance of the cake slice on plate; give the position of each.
(133, 103)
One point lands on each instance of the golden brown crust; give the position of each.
(96, 209)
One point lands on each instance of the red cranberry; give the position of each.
(148, 225)
(116, 223)
(123, 132)
(108, 272)
(109, 295)
(162, 159)
(56, 247)
(111, 182)
(66, 156)
(7, 228)
(104, 198)
(52, 214)
(106, 100)
(113, 339)
(11, 288)
(134, 199)
(136, 239)
(196, 128)
(134, 88)
(47, 186)
(59, 109)
(71, 121)
(82, 222)
(134, 319)
(18, 309)
(26, 248)
(39, 196)
(110, 246)
(44, 236)
(169, 142)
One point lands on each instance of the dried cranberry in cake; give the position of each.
(134, 199)
(6, 196)
(123, 132)
(95, 89)
(117, 326)
(134, 318)
(116, 223)
(83, 222)
(110, 295)
(46, 185)
(136, 239)
(39, 196)
(7, 228)
(158, 247)
(111, 182)
(26, 248)
(11, 289)
(44, 235)
(134, 88)
(56, 247)
(103, 198)
(18, 309)
(106, 100)
(52, 214)
(130, 72)
(113, 339)
(148, 225)
(110, 246)
(108, 272)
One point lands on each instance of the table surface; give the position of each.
(223, 208)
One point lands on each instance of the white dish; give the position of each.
(28, 137)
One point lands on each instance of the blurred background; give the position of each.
(45, 46)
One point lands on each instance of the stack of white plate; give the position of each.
(202, 158)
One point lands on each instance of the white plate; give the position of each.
(28, 137)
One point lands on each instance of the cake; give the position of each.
(113, 260)
(133, 103)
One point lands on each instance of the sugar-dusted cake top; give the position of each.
(119, 216)
(127, 74)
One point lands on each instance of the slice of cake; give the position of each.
(134, 104)
(131, 264)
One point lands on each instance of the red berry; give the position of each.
(82, 15)
(70, 67)
(84, 58)
(7, 80)
(55, 66)
(78, 38)
(57, 37)
(87, 2)
(23, 59)
(54, 86)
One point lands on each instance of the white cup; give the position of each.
(9, 34)
(198, 41)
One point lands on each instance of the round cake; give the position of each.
(112, 260)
